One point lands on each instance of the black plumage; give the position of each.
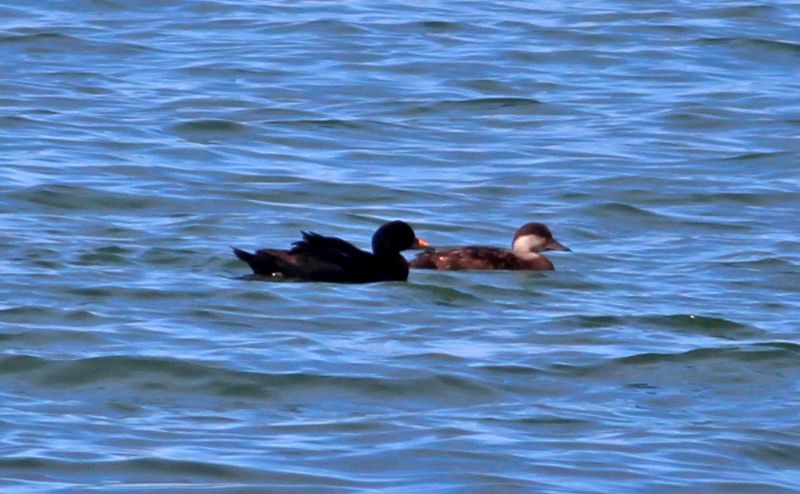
(320, 258)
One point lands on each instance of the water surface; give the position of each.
(138, 142)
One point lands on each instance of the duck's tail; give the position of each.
(264, 262)
(243, 255)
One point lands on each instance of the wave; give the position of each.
(182, 376)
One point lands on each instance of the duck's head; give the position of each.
(532, 238)
(395, 236)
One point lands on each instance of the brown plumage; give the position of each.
(476, 257)
(529, 240)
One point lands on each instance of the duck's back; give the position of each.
(480, 258)
(334, 259)
(321, 258)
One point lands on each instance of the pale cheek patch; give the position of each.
(528, 243)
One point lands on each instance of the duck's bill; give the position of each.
(420, 244)
(554, 244)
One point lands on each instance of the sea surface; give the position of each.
(659, 141)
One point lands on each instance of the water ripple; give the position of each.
(140, 141)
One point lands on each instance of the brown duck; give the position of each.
(529, 240)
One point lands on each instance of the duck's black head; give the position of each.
(535, 237)
(395, 236)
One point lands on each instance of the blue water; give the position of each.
(661, 143)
